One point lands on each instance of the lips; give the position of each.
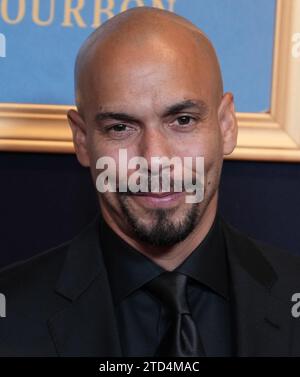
(153, 195)
(158, 200)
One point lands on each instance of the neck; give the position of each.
(172, 256)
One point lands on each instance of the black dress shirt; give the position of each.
(140, 318)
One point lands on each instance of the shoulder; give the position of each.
(282, 261)
(28, 290)
(45, 267)
(40, 267)
(29, 286)
(32, 283)
(33, 294)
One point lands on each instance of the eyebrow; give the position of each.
(200, 105)
(185, 105)
(118, 116)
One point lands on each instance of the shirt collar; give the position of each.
(128, 269)
(207, 264)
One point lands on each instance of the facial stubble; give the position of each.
(163, 231)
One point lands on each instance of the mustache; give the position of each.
(171, 186)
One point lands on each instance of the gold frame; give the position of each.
(271, 136)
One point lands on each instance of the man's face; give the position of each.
(161, 102)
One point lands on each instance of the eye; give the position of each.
(118, 127)
(119, 131)
(183, 120)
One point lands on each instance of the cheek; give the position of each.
(213, 168)
(98, 151)
(213, 149)
(208, 146)
(97, 146)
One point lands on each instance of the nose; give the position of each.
(154, 143)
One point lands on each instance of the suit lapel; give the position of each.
(86, 325)
(262, 319)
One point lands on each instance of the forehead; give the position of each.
(158, 68)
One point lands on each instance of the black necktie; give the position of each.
(181, 338)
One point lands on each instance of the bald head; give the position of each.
(148, 82)
(140, 33)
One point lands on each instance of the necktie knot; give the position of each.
(181, 337)
(170, 289)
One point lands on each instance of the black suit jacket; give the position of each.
(59, 303)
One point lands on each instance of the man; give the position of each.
(153, 275)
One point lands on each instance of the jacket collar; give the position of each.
(86, 325)
(83, 263)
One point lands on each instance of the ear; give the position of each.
(228, 123)
(78, 128)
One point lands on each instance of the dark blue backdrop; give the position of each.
(46, 199)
